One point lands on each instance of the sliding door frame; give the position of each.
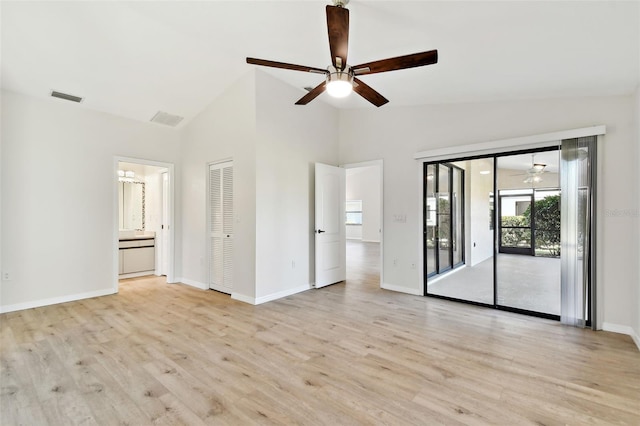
(496, 234)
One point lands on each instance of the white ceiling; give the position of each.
(135, 58)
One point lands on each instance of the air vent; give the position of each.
(66, 96)
(166, 119)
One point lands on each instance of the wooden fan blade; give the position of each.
(314, 93)
(368, 93)
(338, 27)
(397, 63)
(283, 65)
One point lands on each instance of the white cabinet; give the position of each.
(137, 255)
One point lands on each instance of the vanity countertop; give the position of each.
(138, 236)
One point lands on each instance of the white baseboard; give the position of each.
(242, 298)
(55, 300)
(370, 241)
(414, 291)
(135, 275)
(283, 293)
(193, 283)
(271, 297)
(622, 329)
(636, 338)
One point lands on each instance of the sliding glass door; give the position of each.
(493, 234)
(459, 230)
(526, 279)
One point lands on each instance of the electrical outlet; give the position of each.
(413, 266)
(6, 276)
(395, 262)
(293, 264)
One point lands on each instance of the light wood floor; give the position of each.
(346, 354)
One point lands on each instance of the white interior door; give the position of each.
(329, 225)
(221, 227)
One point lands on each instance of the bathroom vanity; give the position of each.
(137, 254)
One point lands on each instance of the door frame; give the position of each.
(209, 248)
(505, 147)
(380, 164)
(116, 226)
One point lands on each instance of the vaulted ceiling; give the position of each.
(135, 58)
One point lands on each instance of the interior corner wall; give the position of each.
(479, 243)
(58, 183)
(225, 130)
(364, 185)
(396, 134)
(290, 140)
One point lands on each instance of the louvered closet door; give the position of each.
(221, 226)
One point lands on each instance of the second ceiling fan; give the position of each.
(340, 78)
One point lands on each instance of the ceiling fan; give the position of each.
(341, 78)
(534, 173)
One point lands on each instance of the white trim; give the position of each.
(193, 283)
(622, 329)
(379, 163)
(283, 293)
(504, 145)
(407, 290)
(242, 298)
(136, 275)
(369, 241)
(270, 297)
(56, 300)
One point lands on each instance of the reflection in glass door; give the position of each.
(443, 215)
(443, 206)
(465, 236)
(527, 273)
(515, 232)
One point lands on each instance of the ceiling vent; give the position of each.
(167, 119)
(66, 96)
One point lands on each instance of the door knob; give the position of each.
(320, 231)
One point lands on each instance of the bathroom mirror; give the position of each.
(131, 200)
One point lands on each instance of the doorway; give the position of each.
(143, 211)
(363, 222)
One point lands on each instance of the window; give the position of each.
(354, 212)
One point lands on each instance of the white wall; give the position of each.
(363, 183)
(58, 194)
(395, 134)
(226, 129)
(290, 140)
(636, 312)
(274, 145)
(478, 207)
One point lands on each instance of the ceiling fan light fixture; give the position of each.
(339, 83)
(538, 167)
